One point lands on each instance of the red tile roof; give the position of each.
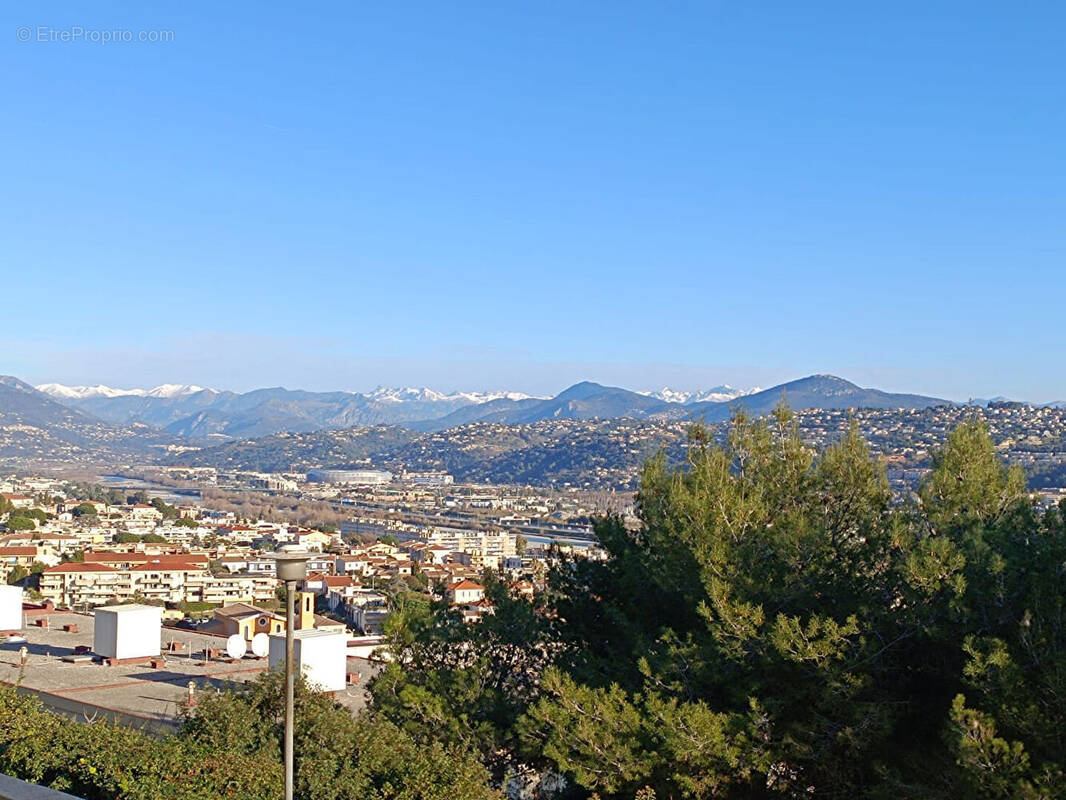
(167, 567)
(466, 585)
(76, 567)
(35, 535)
(336, 581)
(18, 551)
(143, 558)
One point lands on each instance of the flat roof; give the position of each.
(135, 694)
(130, 607)
(310, 633)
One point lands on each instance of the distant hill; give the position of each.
(601, 453)
(589, 400)
(584, 400)
(815, 391)
(160, 411)
(492, 411)
(36, 428)
(298, 452)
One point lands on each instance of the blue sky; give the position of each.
(523, 195)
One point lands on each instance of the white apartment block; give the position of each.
(76, 585)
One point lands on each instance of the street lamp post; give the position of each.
(291, 568)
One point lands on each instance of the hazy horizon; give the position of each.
(551, 391)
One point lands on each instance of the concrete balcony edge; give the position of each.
(14, 789)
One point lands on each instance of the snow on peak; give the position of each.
(723, 393)
(166, 390)
(391, 394)
(77, 392)
(668, 395)
(717, 394)
(174, 390)
(386, 394)
(484, 397)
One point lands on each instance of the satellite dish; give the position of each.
(236, 647)
(260, 645)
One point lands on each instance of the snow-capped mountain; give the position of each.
(79, 392)
(717, 394)
(176, 390)
(386, 394)
(165, 390)
(195, 412)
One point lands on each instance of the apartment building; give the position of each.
(15, 556)
(162, 580)
(50, 546)
(85, 584)
(227, 589)
(167, 582)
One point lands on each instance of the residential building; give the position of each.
(464, 592)
(14, 556)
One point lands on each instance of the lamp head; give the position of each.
(291, 565)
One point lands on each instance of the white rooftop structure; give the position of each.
(10, 608)
(322, 657)
(128, 631)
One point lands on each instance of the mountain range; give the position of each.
(194, 414)
(588, 435)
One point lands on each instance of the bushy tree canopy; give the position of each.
(777, 624)
(102, 761)
(338, 756)
(230, 746)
